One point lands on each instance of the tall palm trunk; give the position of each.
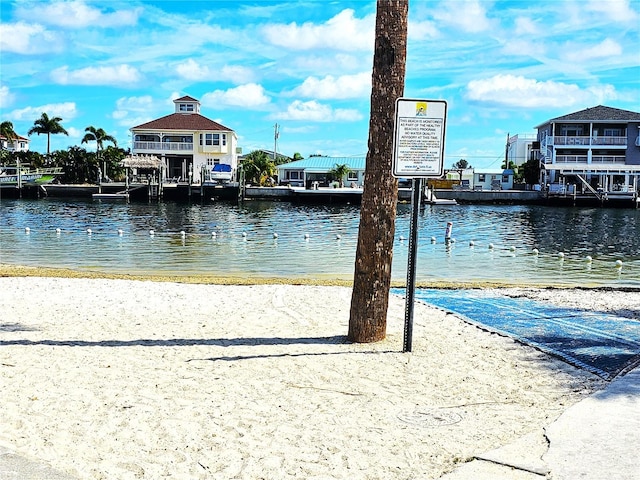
(372, 276)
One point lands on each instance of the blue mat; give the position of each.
(602, 343)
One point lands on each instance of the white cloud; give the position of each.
(28, 38)
(117, 75)
(467, 15)
(524, 25)
(77, 14)
(316, 112)
(605, 49)
(617, 10)
(342, 32)
(6, 97)
(131, 111)
(67, 111)
(330, 87)
(422, 30)
(518, 91)
(192, 70)
(250, 95)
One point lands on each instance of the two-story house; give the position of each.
(596, 149)
(18, 144)
(192, 148)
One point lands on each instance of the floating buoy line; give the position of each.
(448, 241)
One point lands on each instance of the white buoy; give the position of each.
(491, 246)
(89, 232)
(58, 231)
(401, 238)
(152, 233)
(183, 233)
(588, 258)
(120, 232)
(512, 248)
(535, 251)
(27, 230)
(244, 234)
(453, 240)
(214, 234)
(560, 255)
(338, 237)
(306, 236)
(472, 243)
(618, 263)
(433, 239)
(275, 235)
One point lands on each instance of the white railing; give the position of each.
(608, 159)
(169, 146)
(571, 158)
(586, 141)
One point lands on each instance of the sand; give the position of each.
(122, 379)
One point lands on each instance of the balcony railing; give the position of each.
(618, 159)
(587, 141)
(163, 146)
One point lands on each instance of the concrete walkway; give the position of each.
(594, 439)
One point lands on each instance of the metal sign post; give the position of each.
(418, 153)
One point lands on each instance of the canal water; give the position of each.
(491, 243)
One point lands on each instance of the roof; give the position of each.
(182, 121)
(600, 113)
(186, 98)
(324, 164)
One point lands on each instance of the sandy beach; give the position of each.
(122, 379)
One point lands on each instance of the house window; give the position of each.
(352, 176)
(571, 130)
(210, 139)
(186, 107)
(505, 179)
(612, 132)
(224, 139)
(481, 177)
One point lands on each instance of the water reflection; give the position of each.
(320, 241)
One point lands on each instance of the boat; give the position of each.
(111, 196)
(25, 176)
(431, 199)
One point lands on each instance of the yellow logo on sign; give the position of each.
(421, 109)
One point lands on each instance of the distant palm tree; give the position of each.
(339, 172)
(7, 132)
(259, 168)
(99, 136)
(48, 126)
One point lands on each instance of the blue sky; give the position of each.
(502, 66)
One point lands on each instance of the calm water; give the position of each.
(606, 235)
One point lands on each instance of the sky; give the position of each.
(503, 67)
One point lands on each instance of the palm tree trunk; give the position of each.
(372, 276)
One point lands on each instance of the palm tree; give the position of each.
(258, 168)
(99, 136)
(372, 276)
(7, 132)
(48, 126)
(339, 172)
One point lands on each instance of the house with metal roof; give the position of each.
(304, 173)
(192, 147)
(596, 151)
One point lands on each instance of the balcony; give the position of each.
(162, 147)
(583, 159)
(587, 141)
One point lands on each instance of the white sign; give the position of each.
(419, 138)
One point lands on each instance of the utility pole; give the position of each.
(276, 134)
